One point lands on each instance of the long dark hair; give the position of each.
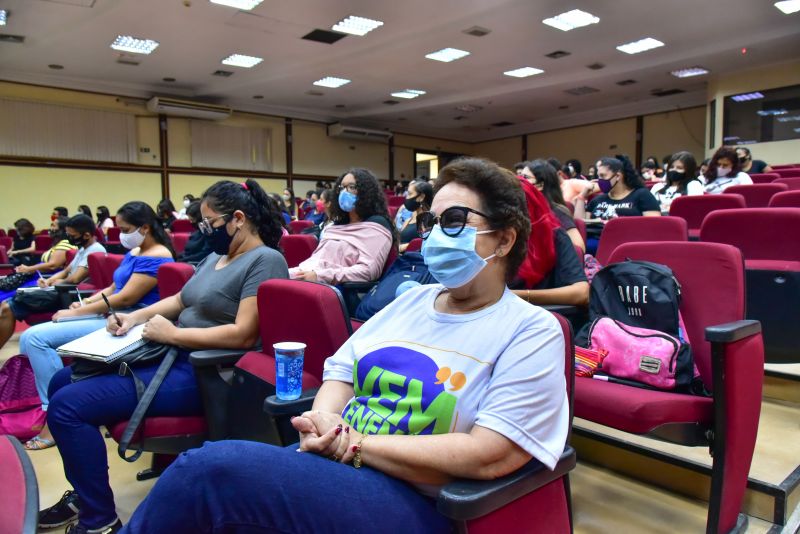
(226, 197)
(292, 206)
(620, 163)
(551, 187)
(24, 227)
(425, 189)
(86, 210)
(689, 170)
(723, 152)
(166, 208)
(137, 213)
(102, 214)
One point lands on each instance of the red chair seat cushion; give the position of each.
(263, 366)
(772, 265)
(637, 410)
(162, 427)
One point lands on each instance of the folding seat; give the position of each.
(295, 227)
(729, 354)
(182, 226)
(393, 212)
(12, 233)
(395, 201)
(2, 233)
(99, 235)
(415, 245)
(179, 241)
(6, 267)
(786, 199)
(113, 243)
(43, 244)
(693, 209)
(7, 242)
(626, 229)
(580, 224)
(793, 172)
(757, 195)
(297, 248)
(19, 507)
(769, 238)
(787, 166)
(793, 183)
(764, 178)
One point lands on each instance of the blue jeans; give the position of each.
(39, 344)
(78, 409)
(246, 487)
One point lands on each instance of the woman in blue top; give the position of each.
(135, 286)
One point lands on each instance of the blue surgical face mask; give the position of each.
(347, 200)
(453, 260)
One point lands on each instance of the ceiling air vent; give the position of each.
(558, 54)
(459, 118)
(477, 31)
(391, 102)
(323, 36)
(222, 73)
(583, 90)
(501, 124)
(8, 38)
(596, 66)
(667, 92)
(626, 82)
(312, 92)
(128, 59)
(354, 132)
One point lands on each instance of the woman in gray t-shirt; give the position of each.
(216, 309)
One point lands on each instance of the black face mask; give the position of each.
(411, 204)
(76, 241)
(220, 240)
(675, 176)
(744, 159)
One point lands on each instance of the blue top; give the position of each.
(147, 265)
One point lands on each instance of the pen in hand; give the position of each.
(111, 310)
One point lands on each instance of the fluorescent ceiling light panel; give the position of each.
(772, 112)
(788, 6)
(446, 55)
(126, 43)
(3, 17)
(523, 72)
(240, 60)
(744, 97)
(408, 93)
(356, 25)
(244, 5)
(571, 20)
(688, 73)
(642, 45)
(332, 82)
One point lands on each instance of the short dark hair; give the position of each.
(59, 234)
(193, 211)
(575, 164)
(24, 227)
(502, 200)
(62, 211)
(83, 224)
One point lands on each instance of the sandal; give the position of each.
(39, 443)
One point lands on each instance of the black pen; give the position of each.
(111, 310)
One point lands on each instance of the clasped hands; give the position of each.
(326, 434)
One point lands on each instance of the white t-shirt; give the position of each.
(106, 224)
(665, 195)
(721, 184)
(82, 256)
(418, 371)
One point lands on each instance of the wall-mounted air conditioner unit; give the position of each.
(354, 132)
(186, 108)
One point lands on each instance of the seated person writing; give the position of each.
(458, 380)
(355, 247)
(134, 286)
(215, 309)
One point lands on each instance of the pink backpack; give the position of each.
(21, 412)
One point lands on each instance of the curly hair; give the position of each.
(226, 197)
(727, 152)
(502, 200)
(370, 202)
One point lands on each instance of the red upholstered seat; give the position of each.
(760, 233)
(693, 209)
(757, 195)
(182, 226)
(764, 178)
(295, 227)
(792, 182)
(297, 248)
(628, 229)
(19, 507)
(179, 241)
(792, 172)
(415, 245)
(786, 199)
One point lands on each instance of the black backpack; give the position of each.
(407, 267)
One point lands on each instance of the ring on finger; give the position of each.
(334, 458)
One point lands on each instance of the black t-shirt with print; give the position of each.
(639, 201)
(757, 167)
(568, 269)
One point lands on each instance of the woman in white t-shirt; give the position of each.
(104, 220)
(458, 380)
(681, 180)
(724, 170)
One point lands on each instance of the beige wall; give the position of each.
(505, 152)
(770, 77)
(673, 131)
(316, 154)
(585, 143)
(32, 192)
(405, 144)
(196, 184)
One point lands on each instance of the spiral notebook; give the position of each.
(102, 346)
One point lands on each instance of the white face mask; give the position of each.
(722, 172)
(131, 240)
(186, 202)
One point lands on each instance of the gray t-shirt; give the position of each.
(82, 256)
(211, 297)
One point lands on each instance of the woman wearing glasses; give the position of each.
(215, 309)
(355, 247)
(458, 380)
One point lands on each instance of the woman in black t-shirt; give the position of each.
(623, 193)
(420, 195)
(24, 244)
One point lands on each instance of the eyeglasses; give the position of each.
(205, 225)
(452, 221)
(352, 188)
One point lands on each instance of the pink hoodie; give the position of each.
(354, 252)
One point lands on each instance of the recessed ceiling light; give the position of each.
(642, 45)
(446, 55)
(688, 73)
(408, 93)
(55, 66)
(332, 81)
(240, 60)
(245, 5)
(788, 6)
(3, 17)
(744, 97)
(523, 72)
(356, 25)
(126, 43)
(571, 20)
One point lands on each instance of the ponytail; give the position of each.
(138, 214)
(249, 198)
(621, 164)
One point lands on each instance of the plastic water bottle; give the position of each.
(289, 369)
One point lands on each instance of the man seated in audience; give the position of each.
(59, 211)
(492, 364)
(198, 246)
(355, 247)
(80, 232)
(750, 165)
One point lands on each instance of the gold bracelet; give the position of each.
(357, 463)
(528, 296)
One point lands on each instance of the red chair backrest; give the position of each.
(308, 312)
(179, 241)
(693, 209)
(297, 248)
(581, 226)
(788, 173)
(113, 234)
(757, 195)
(295, 227)
(709, 296)
(12, 232)
(760, 233)
(395, 201)
(43, 242)
(7, 241)
(569, 361)
(393, 253)
(792, 183)
(101, 268)
(764, 178)
(3, 254)
(627, 229)
(786, 199)
(172, 277)
(2, 233)
(393, 212)
(415, 245)
(19, 510)
(182, 226)
(99, 235)
(71, 255)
